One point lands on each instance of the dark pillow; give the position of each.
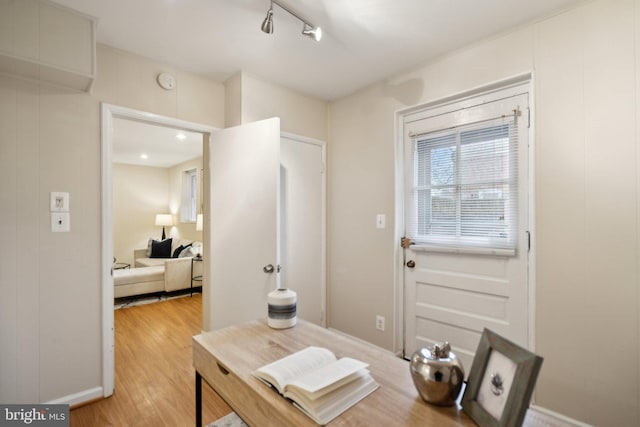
(161, 249)
(186, 251)
(177, 251)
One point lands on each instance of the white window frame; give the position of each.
(454, 230)
(463, 112)
(189, 200)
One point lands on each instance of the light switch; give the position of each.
(380, 220)
(59, 201)
(60, 222)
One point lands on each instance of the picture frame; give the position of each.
(501, 382)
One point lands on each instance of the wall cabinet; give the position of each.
(42, 40)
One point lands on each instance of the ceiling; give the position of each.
(146, 144)
(364, 41)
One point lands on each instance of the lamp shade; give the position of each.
(199, 222)
(164, 219)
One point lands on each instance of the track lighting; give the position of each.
(313, 32)
(308, 29)
(267, 24)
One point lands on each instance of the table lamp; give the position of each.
(164, 220)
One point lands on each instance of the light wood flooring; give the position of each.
(154, 376)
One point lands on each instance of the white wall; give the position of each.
(139, 193)
(249, 99)
(50, 324)
(50, 282)
(586, 80)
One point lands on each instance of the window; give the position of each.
(189, 206)
(465, 185)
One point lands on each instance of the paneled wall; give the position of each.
(249, 99)
(586, 238)
(50, 324)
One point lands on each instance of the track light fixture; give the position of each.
(308, 29)
(267, 24)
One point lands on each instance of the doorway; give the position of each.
(303, 224)
(109, 114)
(220, 162)
(467, 217)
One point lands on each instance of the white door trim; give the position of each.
(323, 261)
(108, 113)
(400, 116)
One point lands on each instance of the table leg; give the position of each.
(198, 400)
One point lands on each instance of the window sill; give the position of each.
(463, 251)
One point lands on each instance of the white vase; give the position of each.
(282, 308)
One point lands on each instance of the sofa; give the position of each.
(152, 274)
(138, 281)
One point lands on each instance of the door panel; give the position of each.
(243, 233)
(453, 293)
(301, 183)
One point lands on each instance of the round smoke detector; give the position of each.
(166, 81)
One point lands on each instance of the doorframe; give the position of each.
(398, 274)
(323, 229)
(108, 113)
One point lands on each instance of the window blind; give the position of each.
(465, 185)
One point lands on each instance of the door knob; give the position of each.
(411, 263)
(268, 268)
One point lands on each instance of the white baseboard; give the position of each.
(541, 417)
(77, 398)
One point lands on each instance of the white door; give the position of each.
(467, 267)
(302, 225)
(243, 231)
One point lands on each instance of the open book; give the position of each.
(320, 385)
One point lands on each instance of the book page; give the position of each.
(285, 370)
(328, 377)
(330, 405)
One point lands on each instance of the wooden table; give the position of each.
(227, 357)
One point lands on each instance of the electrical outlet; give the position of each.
(60, 222)
(380, 323)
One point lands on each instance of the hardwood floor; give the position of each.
(154, 376)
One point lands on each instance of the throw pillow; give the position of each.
(161, 249)
(148, 253)
(177, 251)
(185, 252)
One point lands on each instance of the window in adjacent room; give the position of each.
(189, 206)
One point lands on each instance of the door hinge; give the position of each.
(528, 117)
(405, 242)
(528, 241)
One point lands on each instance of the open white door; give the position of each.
(243, 230)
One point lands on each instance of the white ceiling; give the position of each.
(364, 40)
(131, 139)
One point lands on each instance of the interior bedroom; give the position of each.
(157, 211)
